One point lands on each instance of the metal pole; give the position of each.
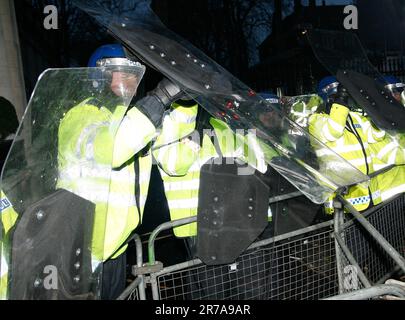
(370, 293)
(155, 290)
(139, 263)
(140, 280)
(128, 290)
(353, 261)
(337, 220)
(375, 234)
(285, 197)
(165, 226)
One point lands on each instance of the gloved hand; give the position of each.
(167, 92)
(341, 97)
(158, 100)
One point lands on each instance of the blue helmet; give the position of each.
(106, 51)
(391, 80)
(393, 84)
(269, 96)
(327, 86)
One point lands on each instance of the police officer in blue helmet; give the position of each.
(156, 101)
(396, 87)
(140, 124)
(269, 96)
(106, 51)
(327, 87)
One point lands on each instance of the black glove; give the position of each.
(154, 104)
(167, 92)
(341, 97)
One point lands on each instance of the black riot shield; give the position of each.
(52, 241)
(232, 211)
(344, 56)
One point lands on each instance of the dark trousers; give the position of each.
(114, 277)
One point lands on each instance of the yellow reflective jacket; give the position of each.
(94, 152)
(8, 218)
(350, 135)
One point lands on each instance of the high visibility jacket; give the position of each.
(391, 151)
(8, 217)
(180, 166)
(94, 153)
(350, 135)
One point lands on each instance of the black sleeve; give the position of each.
(152, 108)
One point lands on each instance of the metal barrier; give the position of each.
(297, 265)
(136, 290)
(371, 247)
(336, 260)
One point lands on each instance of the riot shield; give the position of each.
(344, 56)
(225, 97)
(58, 184)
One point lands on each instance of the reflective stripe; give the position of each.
(388, 148)
(88, 131)
(375, 195)
(179, 116)
(183, 204)
(260, 164)
(327, 134)
(359, 200)
(88, 170)
(359, 162)
(336, 126)
(357, 117)
(269, 213)
(379, 133)
(324, 152)
(168, 133)
(182, 185)
(97, 194)
(172, 159)
(392, 157)
(349, 148)
(4, 266)
(385, 195)
(378, 167)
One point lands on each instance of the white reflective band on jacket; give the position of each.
(4, 266)
(386, 195)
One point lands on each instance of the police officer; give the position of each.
(355, 138)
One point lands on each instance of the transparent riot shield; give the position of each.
(344, 56)
(57, 182)
(226, 98)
